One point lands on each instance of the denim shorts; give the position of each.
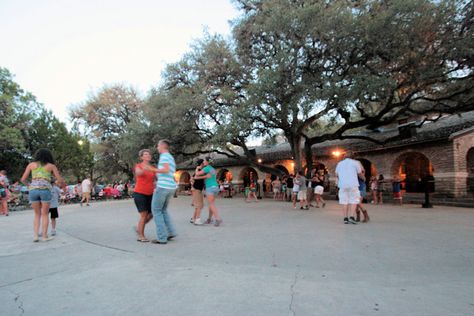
(212, 191)
(39, 195)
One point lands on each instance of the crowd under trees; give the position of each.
(307, 71)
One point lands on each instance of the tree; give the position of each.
(356, 64)
(106, 117)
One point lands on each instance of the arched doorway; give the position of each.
(412, 168)
(282, 169)
(370, 169)
(224, 174)
(184, 181)
(470, 171)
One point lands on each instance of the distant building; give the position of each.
(443, 149)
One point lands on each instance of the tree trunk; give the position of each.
(295, 143)
(308, 156)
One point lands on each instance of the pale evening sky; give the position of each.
(61, 50)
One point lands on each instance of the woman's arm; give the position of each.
(26, 174)
(58, 176)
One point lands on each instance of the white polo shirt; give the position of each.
(347, 172)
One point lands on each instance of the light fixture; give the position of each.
(259, 160)
(337, 153)
(80, 142)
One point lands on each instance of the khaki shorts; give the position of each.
(198, 199)
(349, 196)
(86, 195)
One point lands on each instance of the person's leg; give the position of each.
(345, 210)
(5, 206)
(44, 219)
(88, 197)
(158, 202)
(166, 217)
(36, 222)
(212, 207)
(141, 224)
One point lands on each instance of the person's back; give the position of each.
(40, 177)
(210, 182)
(166, 180)
(347, 171)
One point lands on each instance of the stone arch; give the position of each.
(184, 181)
(370, 169)
(470, 171)
(244, 175)
(412, 167)
(224, 174)
(281, 168)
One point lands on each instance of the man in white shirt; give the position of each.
(347, 172)
(86, 191)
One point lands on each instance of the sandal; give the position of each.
(143, 240)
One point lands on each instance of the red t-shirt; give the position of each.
(145, 182)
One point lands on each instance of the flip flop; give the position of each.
(143, 240)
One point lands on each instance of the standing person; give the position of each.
(397, 190)
(4, 192)
(53, 206)
(289, 185)
(296, 190)
(360, 207)
(40, 189)
(212, 188)
(276, 188)
(318, 183)
(165, 189)
(86, 188)
(373, 189)
(252, 194)
(310, 187)
(143, 193)
(347, 173)
(284, 188)
(380, 188)
(302, 194)
(198, 198)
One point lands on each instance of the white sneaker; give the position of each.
(198, 222)
(53, 232)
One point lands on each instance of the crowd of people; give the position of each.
(155, 185)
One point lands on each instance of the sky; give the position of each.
(63, 50)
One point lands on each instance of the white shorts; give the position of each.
(301, 195)
(276, 190)
(319, 190)
(349, 196)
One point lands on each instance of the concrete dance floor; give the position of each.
(266, 259)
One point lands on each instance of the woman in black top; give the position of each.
(198, 198)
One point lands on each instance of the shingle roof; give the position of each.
(441, 129)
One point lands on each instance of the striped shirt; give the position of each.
(166, 180)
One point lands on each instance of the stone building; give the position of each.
(443, 149)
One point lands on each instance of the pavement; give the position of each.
(266, 259)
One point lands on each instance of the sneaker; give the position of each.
(53, 232)
(191, 220)
(155, 241)
(36, 239)
(47, 238)
(352, 220)
(294, 207)
(171, 237)
(198, 222)
(346, 220)
(208, 221)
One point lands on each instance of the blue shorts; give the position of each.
(37, 195)
(212, 191)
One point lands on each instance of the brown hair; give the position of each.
(141, 152)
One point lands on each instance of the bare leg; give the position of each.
(44, 218)
(5, 206)
(212, 207)
(141, 224)
(53, 223)
(36, 222)
(345, 211)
